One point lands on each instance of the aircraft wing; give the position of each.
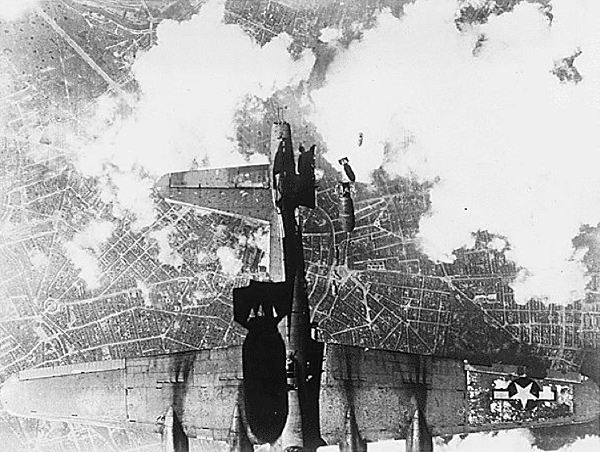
(238, 191)
(375, 388)
(201, 387)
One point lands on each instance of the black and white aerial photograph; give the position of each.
(299, 225)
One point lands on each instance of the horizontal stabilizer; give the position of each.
(249, 176)
(241, 191)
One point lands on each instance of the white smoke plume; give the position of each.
(519, 440)
(166, 254)
(129, 192)
(330, 34)
(513, 440)
(193, 82)
(39, 260)
(146, 291)
(483, 112)
(231, 264)
(85, 248)
(14, 9)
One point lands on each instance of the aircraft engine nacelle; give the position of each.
(174, 438)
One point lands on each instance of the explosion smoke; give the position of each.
(85, 248)
(13, 9)
(193, 82)
(519, 440)
(481, 111)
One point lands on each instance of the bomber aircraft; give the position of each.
(282, 387)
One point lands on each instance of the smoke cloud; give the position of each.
(519, 440)
(193, 82)
(85, 248)
(146, 291)
(231, 264)
(329, 34)
(14, 9)
(38, 260)
(513, 440)
(166, 254)
(503, 115)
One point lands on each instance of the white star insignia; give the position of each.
(524, 394)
